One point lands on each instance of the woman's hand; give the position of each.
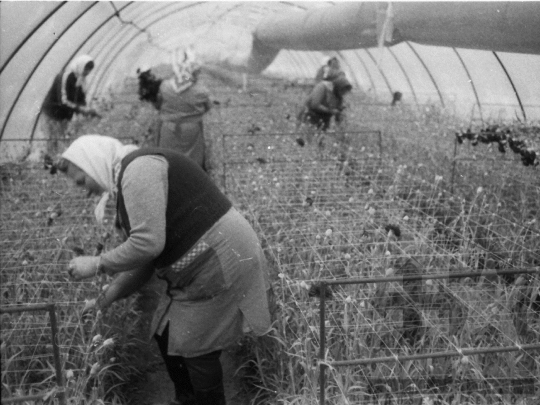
(102, 302)
(89, 306)
(83, 267)
(89, 112)
(89, 310)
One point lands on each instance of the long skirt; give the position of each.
(217, 291)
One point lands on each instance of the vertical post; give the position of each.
(453, 167)
(322, 344)
(224, 163)
(244, 81)
(56, 352)
(380, 145)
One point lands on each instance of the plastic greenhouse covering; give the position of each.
(477, 59)
(403, 241)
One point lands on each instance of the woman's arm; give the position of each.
(123, 285)
(317, 99)
(145, 191)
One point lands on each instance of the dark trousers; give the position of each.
(197, 380)
(319, 120)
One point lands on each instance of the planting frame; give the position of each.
(273, 195)
(59, 392)
(396, 358)
(246, 179)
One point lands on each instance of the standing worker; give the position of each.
(183, 101)
(67, 97)
(178, 225)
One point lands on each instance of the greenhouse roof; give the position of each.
(478, 59)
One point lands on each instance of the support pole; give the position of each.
(453, 167)
(322, 348)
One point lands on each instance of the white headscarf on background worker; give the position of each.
(100, 157)
(76, 67)
(185, 70)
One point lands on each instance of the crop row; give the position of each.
(341, 209)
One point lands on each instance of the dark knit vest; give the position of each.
(194, 203)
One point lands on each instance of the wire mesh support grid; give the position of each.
(60, 393)
(230, 162)
(323, 364)
(454, 157)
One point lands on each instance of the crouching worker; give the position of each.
(325, 101)
(179, 225)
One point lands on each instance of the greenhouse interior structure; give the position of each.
(401, 236)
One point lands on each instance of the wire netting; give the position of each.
(340, 206)
(45, 223)
(384, 196)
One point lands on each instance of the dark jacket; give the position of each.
(53, 105)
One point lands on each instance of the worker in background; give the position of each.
(330, 68)
(180, 226)
(396, 98)
(182, 101)
(67, 97)
(325, 101)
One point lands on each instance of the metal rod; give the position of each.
(453, 167)
(51, 308)
(513, 85)
(29, 35)
(372, 280)
(380, 145)
(366, 70)
(381, 71)
(27, 398)
(25, 308)
(56, 352)
(240, 135)
(322, 347)
(223, 151)
(428, 72)
(462, 352)
(36, 66)
(404, 71)
(472, 85)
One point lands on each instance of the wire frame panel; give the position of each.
(337, 214)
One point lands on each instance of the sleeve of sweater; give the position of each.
(145, 190)
(317, 97)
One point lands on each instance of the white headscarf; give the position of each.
(100, 157)
(185, 71)
(77, 67)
